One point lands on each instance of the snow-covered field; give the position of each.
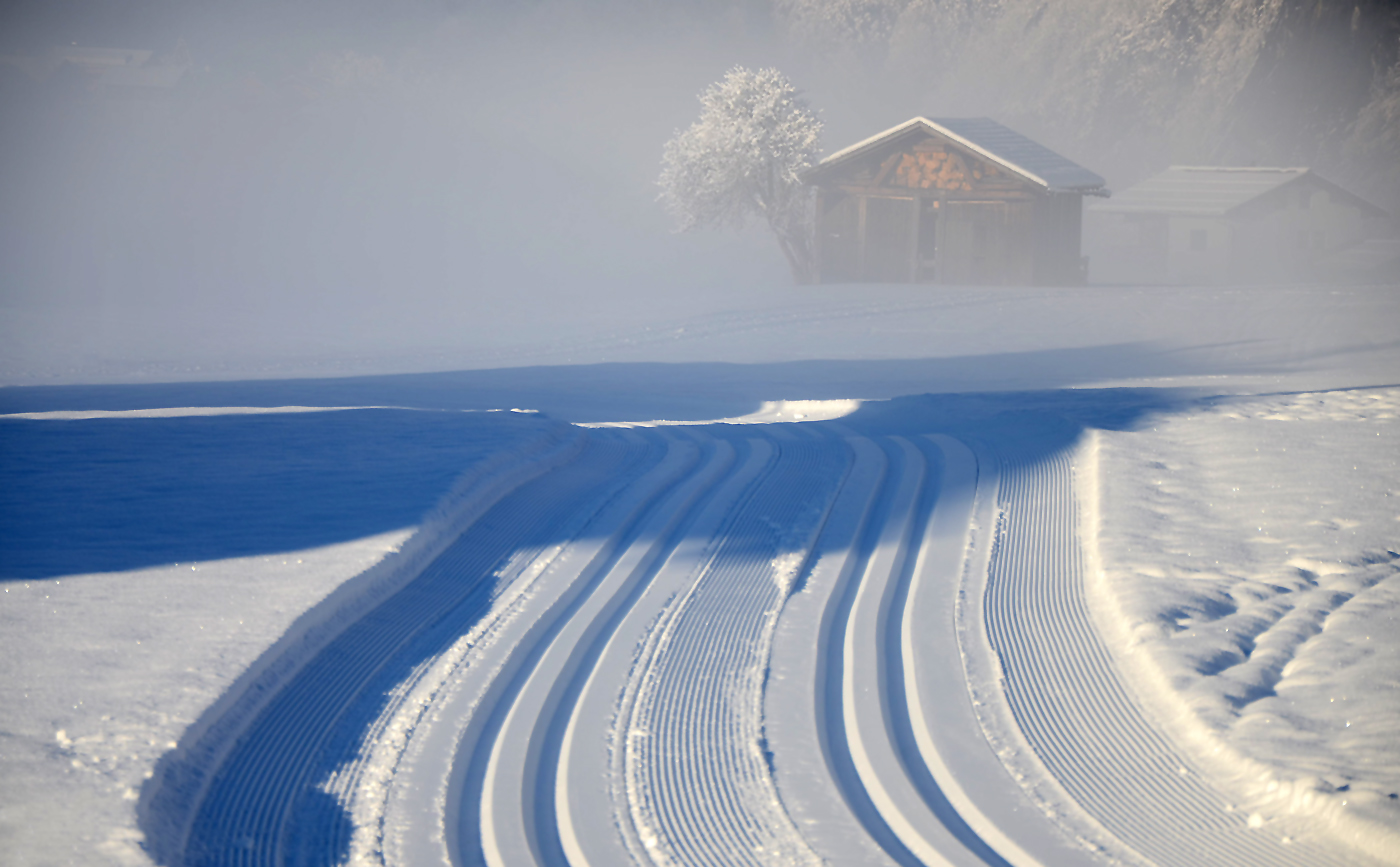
(1250, 564)
(967, 576)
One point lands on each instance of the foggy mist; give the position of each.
(392, 181)
(385, 479)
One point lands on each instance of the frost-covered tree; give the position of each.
(828, 25)
(745, 157)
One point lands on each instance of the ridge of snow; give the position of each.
(179, 777)
(1244, 608)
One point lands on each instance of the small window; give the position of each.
(1199, 239)
(1305, 199)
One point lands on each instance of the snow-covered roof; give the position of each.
(1217, 190)
(1205, 190)
(999, 144)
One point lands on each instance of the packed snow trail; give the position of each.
(634, 731)
(887, 692)
(579, 677)
(699, 790)
(698, 588)
(1076, 716)
(264, 805)
(582, 677)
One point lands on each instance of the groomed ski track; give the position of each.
(1079, 721)
(719, 645)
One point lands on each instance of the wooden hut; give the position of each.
(951, 200)
(1229, 224)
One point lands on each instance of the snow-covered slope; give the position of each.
(1249, 560)
(966, 628)
(889, 340)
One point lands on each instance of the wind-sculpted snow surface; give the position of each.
(715, 644)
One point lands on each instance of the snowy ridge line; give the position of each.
(1086, 730)
(933, 686)
(269, 803)
(495, 765)
(818, 787)
(591, 747)
(176, 412)
(521, 799)
(698, 786)
(768, 412)
(180, 778)
(1238, 773)
(864, 699)
(373, 773)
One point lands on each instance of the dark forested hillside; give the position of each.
(1132, 85)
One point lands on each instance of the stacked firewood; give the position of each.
(935, 170)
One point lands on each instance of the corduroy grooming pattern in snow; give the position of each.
(630, 730)
(699, 789)
(532, 779)
(1074, 712)
(633, 729)
(893, 717)
(267, 803)
(579, 678)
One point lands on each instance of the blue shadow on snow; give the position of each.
(103, 495)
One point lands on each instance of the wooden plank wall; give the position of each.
(926, 213)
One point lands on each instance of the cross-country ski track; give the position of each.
(712, 644)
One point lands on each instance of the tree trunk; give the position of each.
(794, 228)
(799, 257)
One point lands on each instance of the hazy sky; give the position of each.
(373, 178)
(333, 175)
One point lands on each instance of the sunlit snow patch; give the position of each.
(770, 412)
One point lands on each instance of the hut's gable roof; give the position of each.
(1020, 156)
(1215, 190)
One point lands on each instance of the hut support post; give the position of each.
(860, 238)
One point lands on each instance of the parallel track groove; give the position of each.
(613, 709)
(1070, 705)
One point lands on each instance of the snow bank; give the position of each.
(100, 674)
(103, 667)
(182, 774)
(1249, 576)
